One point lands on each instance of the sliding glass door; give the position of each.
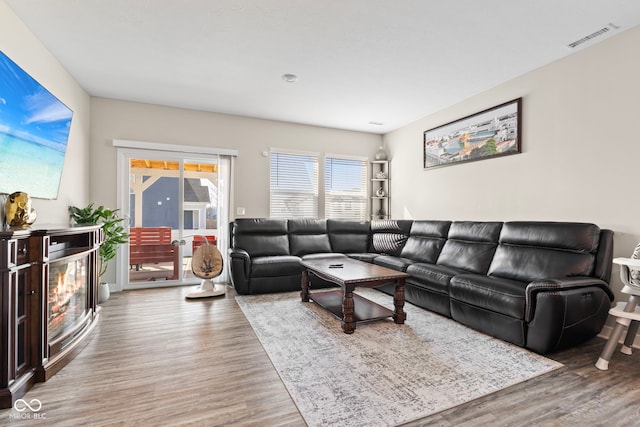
(176, 202)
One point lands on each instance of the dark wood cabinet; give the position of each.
(18, 318)
(42, 323)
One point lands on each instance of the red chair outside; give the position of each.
(199, 241)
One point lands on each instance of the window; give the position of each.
(345, 187)
(294, 184)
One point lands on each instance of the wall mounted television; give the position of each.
(34, 131)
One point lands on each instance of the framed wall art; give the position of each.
(494, 132)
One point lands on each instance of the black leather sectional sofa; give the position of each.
(540, 285)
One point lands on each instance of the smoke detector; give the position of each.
(290, 78)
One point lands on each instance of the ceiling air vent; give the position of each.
(590, 37)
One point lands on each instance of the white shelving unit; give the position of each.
(380, 188)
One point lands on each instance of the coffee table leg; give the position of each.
(304, 283)
(399, 316)
(348, 324)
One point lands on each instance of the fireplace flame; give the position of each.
(67, 297)
(60, 289)
(61, 294)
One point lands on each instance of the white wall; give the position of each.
(113, 119)
(581, 150)
(19, 44)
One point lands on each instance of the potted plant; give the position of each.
(114, 235)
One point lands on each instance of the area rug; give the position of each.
(383, 374)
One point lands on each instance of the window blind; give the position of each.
(293, 184)
(345, 186)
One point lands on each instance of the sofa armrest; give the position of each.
(240, 270)
(558, 286)
(241, 255)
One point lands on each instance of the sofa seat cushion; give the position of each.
(393, 262)
(322, 256)
(365, 256)
(270, 266)
(430, 276)
(504, 296)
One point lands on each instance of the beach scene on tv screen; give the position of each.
(34, 130)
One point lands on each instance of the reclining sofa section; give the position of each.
(539, 285)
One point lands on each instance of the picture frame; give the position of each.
(494, 132)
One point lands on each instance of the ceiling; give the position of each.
(357, 61)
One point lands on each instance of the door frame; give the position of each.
(127, 149)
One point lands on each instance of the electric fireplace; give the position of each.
(48, 302)
(67, 299)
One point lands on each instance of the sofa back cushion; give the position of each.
(531, 251)
(470, 246)
(388, 236)
(308, 236)
(347, 236)
(260, 236)
(426, 240)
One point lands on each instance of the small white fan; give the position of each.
(206, 264)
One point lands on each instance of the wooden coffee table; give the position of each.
(349, 274)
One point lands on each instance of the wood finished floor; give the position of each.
(158, 360)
